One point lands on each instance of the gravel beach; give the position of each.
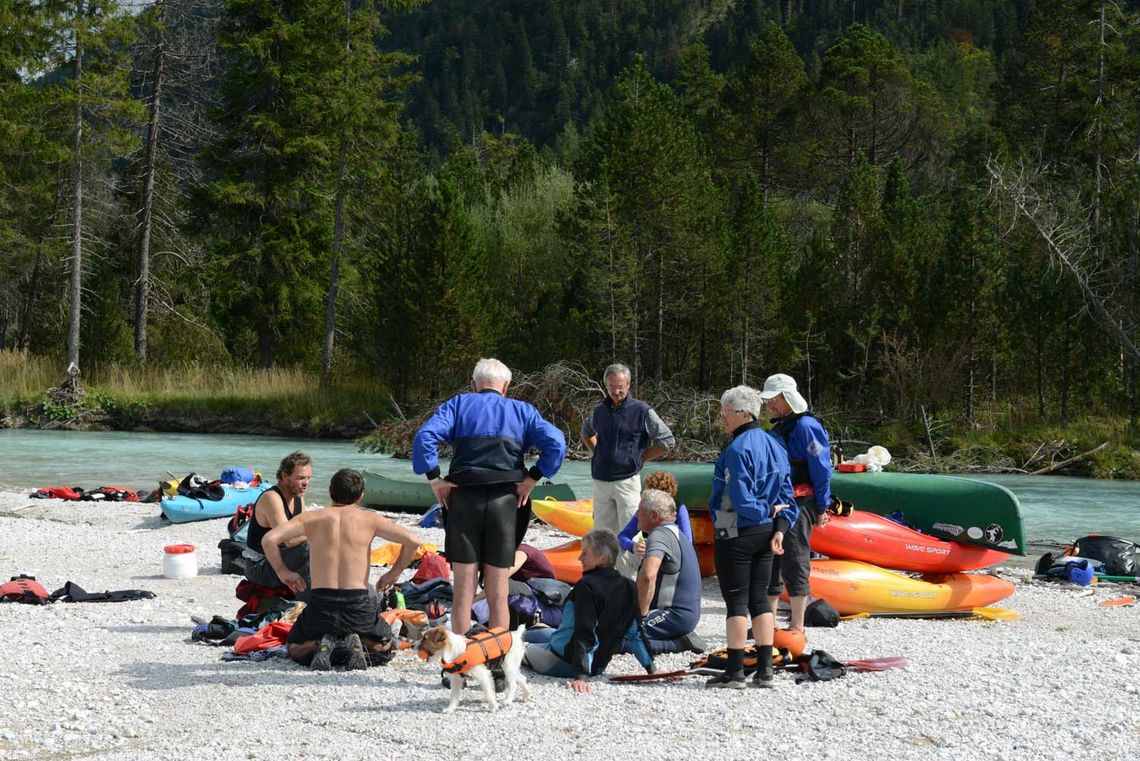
(124, 681)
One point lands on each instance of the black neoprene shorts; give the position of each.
(743, 567)
(793, 568)
(482, 522)
(339, 612)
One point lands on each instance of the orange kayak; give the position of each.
(855, 587)
(576, 517)
(567, 567)
(873, 539)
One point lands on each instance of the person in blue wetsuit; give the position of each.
(599, 615)
(662, 481)
(669, 579)
(487, 483)
(752, 508)
(809, 456)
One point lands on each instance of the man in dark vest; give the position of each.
(623, 434)
(809, 455)
(278, 504)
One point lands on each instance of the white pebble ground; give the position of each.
(123, 680)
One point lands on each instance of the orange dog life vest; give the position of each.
(482, 648)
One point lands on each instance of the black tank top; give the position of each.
(257, 532)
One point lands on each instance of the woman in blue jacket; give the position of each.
(752, 507)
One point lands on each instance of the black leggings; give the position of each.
(743, 568)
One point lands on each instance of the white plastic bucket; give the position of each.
(179, 561)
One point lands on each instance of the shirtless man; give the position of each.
(279, 503)
(340, 606)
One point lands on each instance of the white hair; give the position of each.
(617, 368)
(490, 372)
(743, 399)
(657, 501)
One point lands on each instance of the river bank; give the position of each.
(291, 403)
(123, 681)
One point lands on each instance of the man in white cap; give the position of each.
(809, 454)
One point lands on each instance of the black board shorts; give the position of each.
(793, 568)
(339, 612)
(482, 524)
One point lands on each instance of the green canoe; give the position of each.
(948, 507)
(414, 495)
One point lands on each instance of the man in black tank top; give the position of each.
(277, 505)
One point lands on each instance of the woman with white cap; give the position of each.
(809, 455)
(752, 508)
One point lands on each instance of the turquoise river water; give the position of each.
(1054, 508)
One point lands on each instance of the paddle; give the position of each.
(989, 613)
(1118, 602)
(1126, 579)
(660, 676)
(865, 665)
(876, 664)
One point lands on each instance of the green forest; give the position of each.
(921, 209)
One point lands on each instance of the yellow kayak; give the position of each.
(854, 587)
(576, 518)
(386, 554)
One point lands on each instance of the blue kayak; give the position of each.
(185, 509)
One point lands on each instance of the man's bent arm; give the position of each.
(647, 583)
(287, 533)
(409, 543)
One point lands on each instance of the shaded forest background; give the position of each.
(710, 191)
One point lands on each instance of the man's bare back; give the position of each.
(340, 541)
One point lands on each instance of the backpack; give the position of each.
(432, 566)
(1118, 555)
(25, 589)
(821, 613)
(235, 474)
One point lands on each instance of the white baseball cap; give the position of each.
(786, 385)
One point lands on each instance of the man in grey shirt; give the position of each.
(623, 434)
(669, 580)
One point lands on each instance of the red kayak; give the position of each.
(873, 539)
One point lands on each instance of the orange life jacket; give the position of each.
(482, 648)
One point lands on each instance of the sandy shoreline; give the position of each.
(123, 680)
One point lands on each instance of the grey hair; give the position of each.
(657, 501)
(617, 368)
(602, 541)
(743, 399)
(490, 371)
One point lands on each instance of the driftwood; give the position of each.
(1070, 461)
(565, 393)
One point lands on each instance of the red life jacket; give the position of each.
(57, 492)
(484, 647)
(270, 635)
(24, 589)
(119, 493)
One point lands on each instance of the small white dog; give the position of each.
(467, 657)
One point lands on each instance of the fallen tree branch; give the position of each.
(1070, 461)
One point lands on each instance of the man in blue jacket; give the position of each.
(487, 483)
(809, 455)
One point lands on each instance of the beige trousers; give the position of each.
(615, 502)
